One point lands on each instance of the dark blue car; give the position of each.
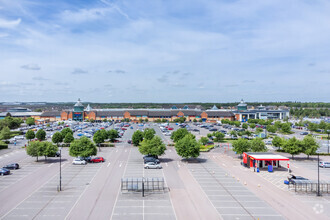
(4, 171)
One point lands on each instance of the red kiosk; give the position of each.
(263, 160)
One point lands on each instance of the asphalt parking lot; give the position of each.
(230, 198)
(131, 205)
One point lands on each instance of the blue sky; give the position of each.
(165, 50)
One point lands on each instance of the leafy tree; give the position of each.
(322, 125)
(286, 128)
(41, 135)
(257, 145)
(154, 146)
(195, 120)
(187, 147)
(113, 134)
(247, 133)
(137, 137)
(5, 133)
(200, 120)
(259, 130)
(30, 135)
(49, 149)
(245, 126)
(241, 145)
(233, 133)
(292, 146)
(219, 136)
(104, 133)
(209, 135)
(164, 120)
(30, 121)
(68, 138)
(278, 124)
(57, 138)
(237, 123)
(65, 131)
(146, 120)
(140, 120)
(98, 137)
(271, 128)
(309, 145)
(105, 120)
(179, 134)
(32, 149)
(204, 140)
(149, 133)
(82, 147)
(252, 125)
(277, 142)
(313, 126)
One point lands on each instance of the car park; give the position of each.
(78, 161)
(324, 164)
(4, 171)
(152, 165)
(97, 160)
(12, 166)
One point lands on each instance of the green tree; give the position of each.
(30, 121)
(259, 130)
(98, 137)
(65, 131)
(204, 140)
(113, 134)
(257, 145)
(137, 137)
(313, 126)
(82, 147)
(179, 134)
(5, 133)
(195, 120)
(252, 125)
(149, 133)
(309, 145)
(32, 149)
(50, 149)
(200, 120)
(30, 135)
(237, 123)
(146, 120)
(245, 126)
(233, 133)
(322, 125)
(219, 136)
(277, 142)
(241, 145)
(286, 128)
(187, 147)
(57, 138)
(292, 146)
(68, 138)
(41, 135)
(278, 124)
(271, 128)
(154, 146)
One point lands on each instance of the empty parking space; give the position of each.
(230, 198)
(155, 205)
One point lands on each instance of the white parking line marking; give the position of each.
(178, 164)
(50, 165)
(116, 150)
(166, 164)
(120, 164)
(125, 151)
(108, 164)
(224, 164)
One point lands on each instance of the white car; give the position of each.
(152, 165)
(78, 161)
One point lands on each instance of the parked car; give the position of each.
(292, 178)
(213, 129)
(4, 171)
(129, 141)
(87, 159)
(12, 166)
(196, 130)
(150, 159)
(152, 165)
(78, 161)
(304, 133)
(169, 128)
(324, 164)
(97, 160)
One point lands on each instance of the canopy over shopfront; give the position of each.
(261, 160)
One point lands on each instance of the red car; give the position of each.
(123, 129)
(97, 160)
(169, 128)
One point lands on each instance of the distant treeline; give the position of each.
(309, 112)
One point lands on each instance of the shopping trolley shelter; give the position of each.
(263, 160)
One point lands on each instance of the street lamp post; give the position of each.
(328, 131)
(318, 173)
(60, 168)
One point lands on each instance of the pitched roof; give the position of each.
(213, 113)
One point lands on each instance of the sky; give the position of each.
(164, 50)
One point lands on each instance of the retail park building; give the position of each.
(80, 113)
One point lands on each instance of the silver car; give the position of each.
(324, 164)
(152, 165)
(78, 161)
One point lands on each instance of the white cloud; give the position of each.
(31, 66)
(9, 23)
(83, 15)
